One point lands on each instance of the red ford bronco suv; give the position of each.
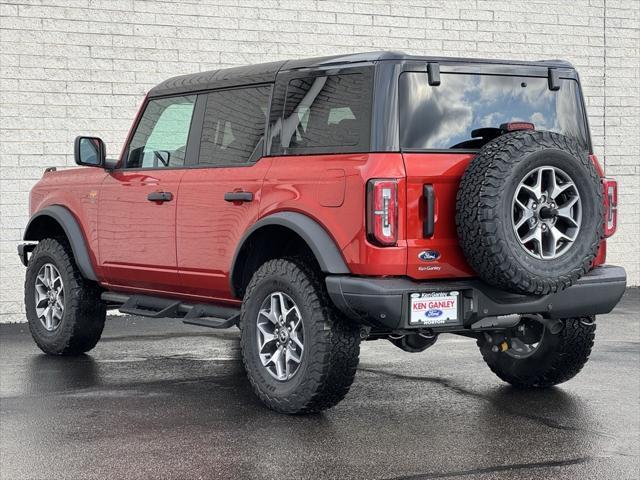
(321, 202)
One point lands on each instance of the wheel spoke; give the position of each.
(50, 276)
(57, 313)
(564, 210)
(558, 236)
(526, 216)
(42, 302)
(270, 315)
(41, 281)
(291, 355)
(56, 282)
(283, 308)
(275, 307)
(534, 235)
(297, 341)
(267, 338)
(49, 318)
(536, 188)
(278, 361)
(555, 189)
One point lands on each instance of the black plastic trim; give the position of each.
(554, 79)
(192, 154)
(76, 152)
(428, 226)
(384, 302)
(161, 307)
(238, 197)
(433, 72)
(315, 236)
(73, 233)
(266, 72)
(24, 249)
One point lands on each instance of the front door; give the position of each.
(138, 202)
(219, 200)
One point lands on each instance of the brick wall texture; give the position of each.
(82, 66)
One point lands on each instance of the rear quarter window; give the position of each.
(327, 114)
(446, 116)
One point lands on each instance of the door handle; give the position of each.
(238, 197)
(428, 226)
(160, 197)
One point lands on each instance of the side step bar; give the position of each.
(204, 315)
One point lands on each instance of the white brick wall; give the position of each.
(82, 66)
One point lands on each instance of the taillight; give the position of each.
(610, 206)
(382, 211)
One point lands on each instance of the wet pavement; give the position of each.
(159, 399)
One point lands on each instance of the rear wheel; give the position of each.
(65, 313)
(536, 357)
(299, 353)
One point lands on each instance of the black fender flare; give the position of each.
(74, 235)
(316, 237)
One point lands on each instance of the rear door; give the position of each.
(219, 200)
(137, 206)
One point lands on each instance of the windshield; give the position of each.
(467, 110)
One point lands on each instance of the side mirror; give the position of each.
(89, 151)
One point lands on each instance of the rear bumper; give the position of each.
(384, 302)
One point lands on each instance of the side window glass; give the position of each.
(160, 139)
(327, 111)
(234, 125)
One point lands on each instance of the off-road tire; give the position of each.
(559, 357)
(332, 344)
(84, 313)
(484, 204)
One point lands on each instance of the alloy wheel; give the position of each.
(546, 212)
(280, 336)
(49, 297)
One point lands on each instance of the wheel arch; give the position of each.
(283, 232)
(56, 221)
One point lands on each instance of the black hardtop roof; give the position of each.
(266, 72)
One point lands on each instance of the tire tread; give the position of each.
(331, 373)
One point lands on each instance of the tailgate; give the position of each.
(432, 184)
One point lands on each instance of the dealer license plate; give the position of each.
(436, 308)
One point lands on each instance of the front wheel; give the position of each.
(300, 355)
(535, 357)
(65, 314)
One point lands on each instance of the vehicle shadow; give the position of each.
(49, 373)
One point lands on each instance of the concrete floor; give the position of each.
(159, 399)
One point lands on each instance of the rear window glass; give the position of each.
(327, 113)
(233, 127)
(466, 110)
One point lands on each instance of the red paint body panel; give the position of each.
(136, 236)
(443, 171)
(209, 229)
(78, 190)
(312, 185)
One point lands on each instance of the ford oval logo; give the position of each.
(433, 313)
(429, 255)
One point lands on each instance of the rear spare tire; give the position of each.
(529, 212)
